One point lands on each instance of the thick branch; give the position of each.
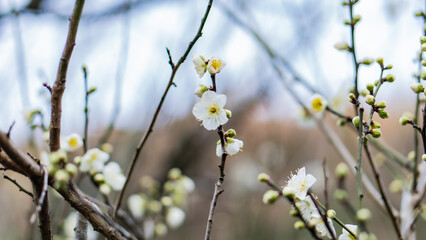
(59, 85)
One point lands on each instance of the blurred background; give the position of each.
(123, 44)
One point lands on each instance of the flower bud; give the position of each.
(71, 169)
(390, 66)
(381, 104)
(424, 47)
(370, 87)
(166, 201)
(231, 133)
(91, 90)
(345, 3)
(370, 100)
(341, 122)
(299, 225)
(341, 170)
(107, 147)
(99, 178)
(363, 215)
(380, 159)
(270, 197)
(352, 98)
(155, 206)
(380, 61)
(376, 133)
(160, 229)
(390, 78)
(423, 75)
(411, 156)
(424, 63)
(396, 186)
(417, 88)
(105, 189)
(355, 121)
(367, 61)
(174, 173)
(62, 176)
(364, 93)
(331, 213)
(375, 125)
(423, 39)
(200, 90)
(342, 46)
(403, 121)
(419, 14)
(228, 113)
(383, 114)
(77, 160)
(58, 156)
(356, 19)
(263, 177)
(288, 192)
(424, 157)
(340, 194)
(294, 212)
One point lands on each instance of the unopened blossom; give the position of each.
(94, 159)
(215, 65)
(72, 142)
(200, 64)
(300, 183)
(137, 205)
(187, 183)
(346, 235)
(232, 146)
(318, 103)
(175, 217)
(113, 176)
(210, 110)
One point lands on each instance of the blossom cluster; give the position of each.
(210, 109)
(160, 208)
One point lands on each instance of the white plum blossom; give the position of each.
(113, 176)
(137, 204)
(175, 217)
(210, 110)
(188, 184)
(318, 103)
(72, 142)
(94, 159)
(346, 235)
(200, 64)
(215, 65)
(232, 146)
(300, 183)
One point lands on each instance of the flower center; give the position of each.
(73, 142)
(216, 64)
(317, 104)
(213, 110)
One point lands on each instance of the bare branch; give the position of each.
(21, 189)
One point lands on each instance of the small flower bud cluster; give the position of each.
(406, 118)
(210, 109)
(164, 204)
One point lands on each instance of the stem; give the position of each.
(86, 110)
(324, 217)
(356, 65)
(359, 157)
(21, 189)
(157, 111)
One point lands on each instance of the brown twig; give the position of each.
(21, 189)
(10, 129)
(157, 111)
(47, 87)
(324, 169)
(323, 216)
(59, 85)
(42, 206)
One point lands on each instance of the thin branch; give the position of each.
(382, 193)
(154, 119)
(59, 85)
(21, 189)
(10, 130)
(42, 205)
(86, 109)
(324, 169)
(359, 157)
(47, 87)
(323, 216)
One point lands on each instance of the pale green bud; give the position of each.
(62, 176)
(375, 125)
(160, 229)
(364, 92)
(390, 66)
(376, 83)
(331, 213)
(174, 173)
(345, 3)
(341, 170)
(370, 100)
(288, 192)
(58, 156)
(419, 14)
(200, 90)
(411, 156)
(363, 215)
(228, 113)
(422, 39)
(77, 160)
(299, 225)
(417, 88)
(105, 189)
(355, 121)
(367, 61)
(376, 133)
(380, 159)
(71, 169)
(340, 194)
(270, 196)
(91, 90)
(231, 133)
(403, 121)
(383, 114)
(155, 206)
(341, 122)
(381, 104)
(424, 157)
(99, 178)
(166, 201)
(294, 212)
(379, 61)
(424, 63)
(396, 186)
(363, 236)
(263, 177)
(352, 98)
(356, 19)
(424, 47)
(370, 87)
(107, 147)
(390, 78)
(342, 46)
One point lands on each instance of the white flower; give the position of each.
(232, 146)
(72, 142)
(318, 103)
(215, 65)
(301, 183)
(346, 235)
(305, 119)
(210, 110)
(137, 205)
(94, 159)
(113, 176)
(200, 64)
(188, 184)
(175, 217)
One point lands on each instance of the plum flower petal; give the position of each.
(215, 65)
(113, 176)
(94, 159)
(301, 183)
(210, 110)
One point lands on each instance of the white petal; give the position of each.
(219, 150)
(221, 100)
(200, 111)
(310, 180)
(175, 217)
(209, 96)
(211, 123)
(221, 117)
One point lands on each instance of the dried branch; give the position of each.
(361, 139)
(324, 169)
(40, 186)
(157, 111)
(323, 216)
(59, 85)
(10, 130)
(21, 189)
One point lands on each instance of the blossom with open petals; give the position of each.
(215, 65)
(232, 146)
(318, 103)
(210, 110)
(300, 183)
(200, 65)
(94, 159)
(113, 176)
(72, 142)
(346, 235)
